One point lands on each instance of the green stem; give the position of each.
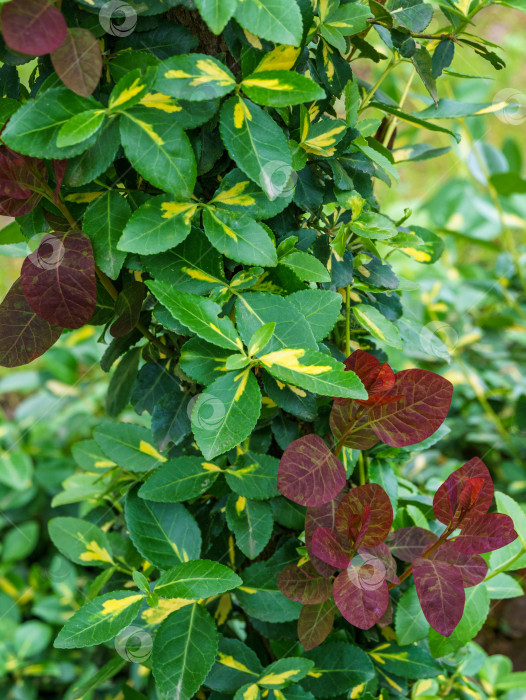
(394, 120)
(506, 566)
(361, 469)
(392, 64)
(348, 320)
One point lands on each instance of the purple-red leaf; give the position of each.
(322, 516)
(23, 335)
(427, 397)
(58, 165)
(381, 557)
(331, 548)
(315, 623)
(58, 279)
(361, 437)
(33, 27)
(309, 474)
(304, 584)
(376, 377)
(441, 593)
(361, 594)
(472, 567)
(486, 533)
(364, 516)
(78, 61)
(19, 174)
(408, 543)
(466, 494)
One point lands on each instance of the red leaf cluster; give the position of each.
(19, 175)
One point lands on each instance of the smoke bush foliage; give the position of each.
(198, 183)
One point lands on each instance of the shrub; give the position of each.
(202, 183)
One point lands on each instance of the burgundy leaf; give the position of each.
(78, 61)
(365, 515)
(362, 436)
(321, 516)
(309, 474)
(408, 543)
(304, 584)
(59, 170)
(331, 548)
(488, 532)
(58, 279)
(377, 378)
(381, 557)
(128, 307)
(440, 592)
(361, 595)
(23, 335)
(419, 414)
(315, 623)
(18, 207)
(466, 494)
(33, 27)
(472, 567)
(387, 617)
(19, 175)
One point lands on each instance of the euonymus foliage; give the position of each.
(200, 186)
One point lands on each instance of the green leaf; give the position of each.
(196, 579)
(179, 479)
(99, 620)
(422, 62)
(377, 325)
(198, 314)
(236, 665)
(130, 89)
(164, 533)
(159, 150)
(276, 20)
(184, 651)
(80, 127)
(128, 445)
(507, 505)
(104, 222)
(257, 144)
(256, 309)
(251, 522)
(216, 14)
(306, 267)
(239, 237)
(261, 338)
(81, 541)
(410, 623)
(16, 470)
(323, 136)
(104, 674)
(338, 666)
(320, 307)
(33, 129)
(194, 77)
(238, 193)
(375, 226)
(226, 413)
(314, 371)
(285, 671)
(503, 586)
(88, 455)
(202, 361)
(157, 225)
(415, 120)
(83, 168)
(475, 613)
(412, 661)
(382, 157)
(189, 267)
(260, 597)
(280, 88)
(254, 476)
(121, 383)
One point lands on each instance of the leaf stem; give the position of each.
(392, 64)
(348, 320)
(407, 573)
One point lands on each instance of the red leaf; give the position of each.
(19, 175)
(361, 438)
(23, 335)
(440, 592)
(309, 474)
(78, 61)
(331, 548)
(33, 27)
(361, 595)
(408, 543)
(365, 515)
(466, 494)
(59, 170)
(304, 584)
(488, 532)
(58, 279)
(381, 556)
(387, 617)
(321, 516)
(315, 623)
(419, 414)
(377, 378)
(472, 567)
